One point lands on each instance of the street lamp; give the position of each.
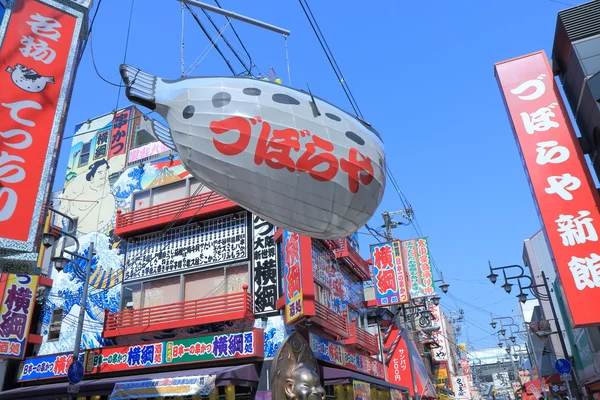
(48, 239)
(522, 297)
(502, 332)
(507, 286)
(444, 286)
(493, 324)
(436, 300)
(512, 339)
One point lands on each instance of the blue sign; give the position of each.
(75, 372)
(562, 366)
(52, 366)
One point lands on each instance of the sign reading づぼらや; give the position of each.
(388, 275)
(265, 265)
(39, 48)
(560, 180)
(18, 298)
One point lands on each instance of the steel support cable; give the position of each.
(205, 52)
(126, 49)
(214, 43)
(238, 38)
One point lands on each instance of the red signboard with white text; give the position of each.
(561, 183)
(39, 44)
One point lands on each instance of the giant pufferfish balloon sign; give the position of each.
(283, 154)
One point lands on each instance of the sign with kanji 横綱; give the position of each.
(18, 298)
(387, 274)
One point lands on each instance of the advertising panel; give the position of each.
(292, 276)
(441, 374)
(362, 390)
(200, 385)
(559, 178)
(211, 242)
(337, 354)
(440, 354)
(18, 299)
(123, 358)
(418, 267)
(36, 84)
(387, 274)
(265, 267)
(146, 151)
(501, 380)
(461, 387)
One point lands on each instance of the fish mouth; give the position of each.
(140, 87)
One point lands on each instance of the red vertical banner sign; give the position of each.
(118, 139)
(39, 46)
(387, 274)
(560, 181)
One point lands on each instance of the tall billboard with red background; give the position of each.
(39, 50)
(387, 274)
(298, 284)
(560, 181)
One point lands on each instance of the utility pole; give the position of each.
(389, 223)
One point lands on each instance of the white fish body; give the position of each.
(215, 124)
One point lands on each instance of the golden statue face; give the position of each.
(304, 384)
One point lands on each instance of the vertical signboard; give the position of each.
(292, 276)
(39, 47)
(362, 390)
(461, 387)
(387, 274)
(18, 299)
(418, 266)
(265, 267)
(559, 178)
(440, 354)
(441, 374)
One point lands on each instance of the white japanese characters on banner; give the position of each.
(265, 264)
(559, 176)
(211, 242)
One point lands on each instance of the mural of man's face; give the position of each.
(99, 177)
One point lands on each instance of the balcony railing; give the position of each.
(352, 259)
(156, 217)
(208, 310)
(362, 339)
(330, 321)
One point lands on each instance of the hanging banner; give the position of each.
(440, 354)
(441, 374)
(501, 380)
(39, 49)
(461, 387)
(292, 276)
(18, 299)
(560, 180)
(265, 266)
(387, 274)
(362, 390)
(201, 385)
(418, 267)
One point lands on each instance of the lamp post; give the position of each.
(51, 239)
(533, 289)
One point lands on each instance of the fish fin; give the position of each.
(162, 133)
(50, 79)
(9, 69)
(140, 86)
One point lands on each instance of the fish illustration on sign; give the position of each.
(291, 158)
(28, 79)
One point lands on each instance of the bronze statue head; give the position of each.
(295, 374)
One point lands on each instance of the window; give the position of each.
(141, 200)
(132, 296)
(170, 192)
(321, 294)
(142, 137)
(55, 324)
(162, 291)
(236, 277)
(84, 157)
(353, 313)
(204, 284)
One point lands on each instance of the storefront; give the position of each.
(342, 384)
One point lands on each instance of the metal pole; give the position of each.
(239, 17)
(84, 293)
(410, 360)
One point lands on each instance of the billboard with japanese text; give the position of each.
(461, 387)
(292, 276)
(417, 262)
(18, 299)
(36, 85)
(123, 358)
(565, 194)
(387, 274)
(265, 267)
(440, 353)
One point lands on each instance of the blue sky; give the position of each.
(422, 74)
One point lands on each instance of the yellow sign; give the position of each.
(441, 375)
(18, 298)
(462, 347)
(362, 390)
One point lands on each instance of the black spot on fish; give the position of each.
(251, 91)
(333, 117)
(285, 99)
(188, 112)
(221, 99)
(355, 138)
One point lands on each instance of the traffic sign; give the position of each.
(75, 372)
(562, 366)
(566, 377)
(73, 389)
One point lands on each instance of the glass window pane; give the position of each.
(162, 291)
(141, 200)
(132, 296)
(237, 277)
(166, 193)
(204, 284)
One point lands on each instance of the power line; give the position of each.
(238, 37)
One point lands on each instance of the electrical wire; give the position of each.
(89, 32)
(238, 38)
(126, 48)
(96, 67)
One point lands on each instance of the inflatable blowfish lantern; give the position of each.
(283, 154)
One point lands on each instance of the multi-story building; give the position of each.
(186, 283)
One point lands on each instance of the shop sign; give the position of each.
(501, 380)
(461, 387)
(146, 151)
(362, 390)
(201, 385)
(265, 265)
(337, 354)
(418, 265)
(52, 366)
(560, 180)
(440, 354)
(18, 299)
(387, 274)
(441, 374)
(396, 394)
(292, 274)
(216, 241)
(123, 358)
(39, 47)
